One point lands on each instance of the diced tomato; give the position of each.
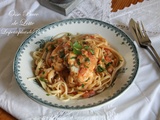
(92, 36)
(91, 93)
(108, 59)
(110, 69)
(88, 94)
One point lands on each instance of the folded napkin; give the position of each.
(139, 102)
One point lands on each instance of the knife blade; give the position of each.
(132, 25)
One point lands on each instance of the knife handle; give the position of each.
(154, 54)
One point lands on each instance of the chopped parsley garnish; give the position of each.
(61, 54)
(40, 68)
(68, 34)
(76, 51)
(73, 58)
(77, 45)
(76, 48)
(78, 62)
(100, 69)
(82, 85)
(86, 47)
(42, 79)
(87, 59)
(108, 64)
(86, 66)
(89, 49)
(92, 51)
(87, 79)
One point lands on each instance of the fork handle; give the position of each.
(154, 54)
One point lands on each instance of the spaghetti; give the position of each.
(76, 66)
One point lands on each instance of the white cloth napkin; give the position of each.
(141, 101)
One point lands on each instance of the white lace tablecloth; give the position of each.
(140, 102)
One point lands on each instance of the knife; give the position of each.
(133, 30)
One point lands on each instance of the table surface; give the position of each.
(116, 5)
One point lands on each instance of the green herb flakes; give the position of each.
(77, 45)
(77, 52)
(86, 47)
(78, 62)
(42, 79)
(87, 59)
(73, 58)
(76, 48)
(108, 64)
(92, 51)
(100, 69)
(61, 54)
(68, 34)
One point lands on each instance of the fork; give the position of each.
(145, 42)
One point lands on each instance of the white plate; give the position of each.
(116, 38)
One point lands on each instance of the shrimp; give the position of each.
(51, 75)
(84, 75)
(58, 66)
(88, 94)
(87, 67)
(71, 58)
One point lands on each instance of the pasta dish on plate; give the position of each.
(76, 66)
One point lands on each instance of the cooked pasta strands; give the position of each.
(76, 66)
(71, 90)
(39, 64)
(100, 44)
(91, 86)
(55, 92)
(43, 84)
(101, 89)
(32, 78)
(58, 35)
(37, 54)
(105, 78)
(76, 96)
